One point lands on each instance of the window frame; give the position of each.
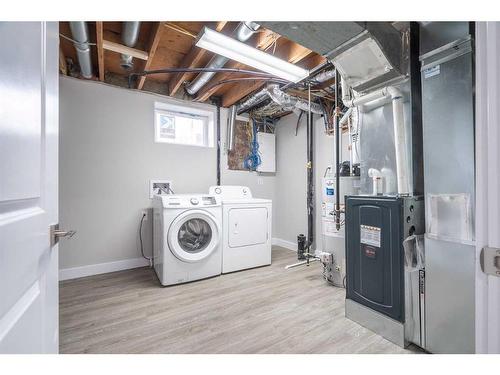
(186, 111)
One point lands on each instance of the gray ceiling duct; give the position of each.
(130, 34)
(80, 34)
(243, 32)
(320, 37)
(366, 54)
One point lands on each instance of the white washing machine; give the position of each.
(246, 233)
(187, 233)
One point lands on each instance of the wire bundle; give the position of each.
(252, 161)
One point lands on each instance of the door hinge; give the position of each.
(490, 261)
(55, 233)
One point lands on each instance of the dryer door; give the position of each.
(247, 226)
(193, 235)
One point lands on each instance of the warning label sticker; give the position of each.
(370, 235)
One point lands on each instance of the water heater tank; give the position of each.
(332, 239)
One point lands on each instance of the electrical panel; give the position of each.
(267, 152)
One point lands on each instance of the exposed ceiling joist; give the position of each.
(290, 52)
(154, 40)
(100, 49)
(190, 61)
(264, 40)
(238, 92)
(63, 67)
(120, 48)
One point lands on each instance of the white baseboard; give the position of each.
(100, 268)
(96, 269)
(286, 244)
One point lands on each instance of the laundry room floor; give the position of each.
(263, 310)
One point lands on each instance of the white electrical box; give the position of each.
(267, 152)
(159, 187)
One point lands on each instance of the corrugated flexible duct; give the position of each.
(80, 33)
(130, 34)
(286, 101)
(243, 32)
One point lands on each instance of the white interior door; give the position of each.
(28, 187)
(487, 182)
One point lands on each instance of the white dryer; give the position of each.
(247, 224)
(187, 234)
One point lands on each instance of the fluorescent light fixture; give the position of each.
(235, 50)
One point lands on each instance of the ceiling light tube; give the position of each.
(235, 50)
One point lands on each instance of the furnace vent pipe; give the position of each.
(399, 139)
(243, 32)
(80, 33)
(130, 34)
(345, 118)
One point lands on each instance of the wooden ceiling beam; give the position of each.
(63, 67)
(291, 52)
(120, 48)
(264, 40)
(191, 60)
(100, 49)
(154, 40)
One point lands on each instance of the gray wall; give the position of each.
(107, 157)
(291, 179)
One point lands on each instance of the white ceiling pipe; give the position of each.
(345, 118)
(374, 104)
(399, 139)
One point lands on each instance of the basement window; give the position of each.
(183, 125)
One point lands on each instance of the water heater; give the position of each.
(332, 239)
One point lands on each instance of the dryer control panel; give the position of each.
(231, 192)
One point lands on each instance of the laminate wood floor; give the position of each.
(263, 310)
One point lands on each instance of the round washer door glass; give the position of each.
(193, 235)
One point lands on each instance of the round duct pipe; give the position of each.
(80, 33)
(243, 32)
(130, 34)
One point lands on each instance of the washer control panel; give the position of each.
(186, 201)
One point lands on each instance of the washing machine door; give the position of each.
(193, 235)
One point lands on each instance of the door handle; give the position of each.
(490, 261)
(56, 234)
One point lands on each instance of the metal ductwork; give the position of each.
(366, 54)
(130, 34)
(80, 33)
(286, 101)
(243, 32)
(325, 75)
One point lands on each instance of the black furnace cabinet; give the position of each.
(375, 229)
